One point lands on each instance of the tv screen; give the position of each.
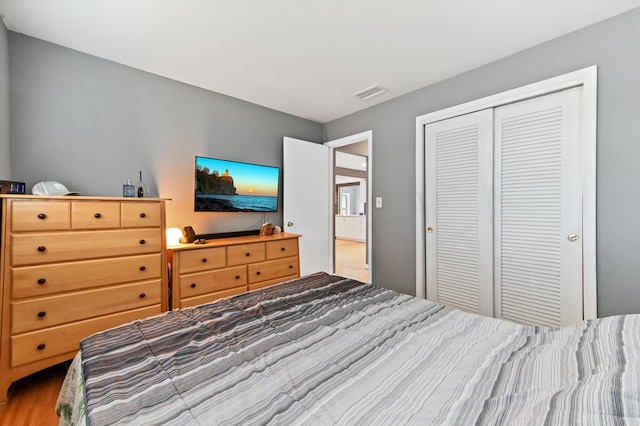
(231, 186)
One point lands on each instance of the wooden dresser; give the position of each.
(72, 266)
(223, 267)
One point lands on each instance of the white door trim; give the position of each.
(587, 78)
(348, 140)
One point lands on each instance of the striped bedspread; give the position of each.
(325, 350)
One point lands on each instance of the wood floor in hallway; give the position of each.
(351, 259)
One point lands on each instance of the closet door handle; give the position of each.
(573, 237)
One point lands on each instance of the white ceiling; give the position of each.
(304, 57)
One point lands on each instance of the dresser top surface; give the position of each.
(76, 197)
(245, 239)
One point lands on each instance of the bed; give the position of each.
(327, 350)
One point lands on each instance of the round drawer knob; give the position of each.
(282, 249)
(290, 266)
(258, 273)
(248, 254)
(41, 249)
(42, 314)
(97, 215)
(41, 346)
(42, 216)
(42, 281)
(143, 215)
(193, 285)
(142, 268)
(142, 241)
(142, 295)
(237, 277)
(204, 260)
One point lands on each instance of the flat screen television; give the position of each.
(232, 186)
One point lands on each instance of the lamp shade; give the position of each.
(173, 236)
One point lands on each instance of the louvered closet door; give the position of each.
(538, 210)
(458, 184)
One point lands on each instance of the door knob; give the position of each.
(573, 237)
(430, 230)
(289, 223)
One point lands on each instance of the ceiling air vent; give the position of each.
(370, 92)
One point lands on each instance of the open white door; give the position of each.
(307, 202)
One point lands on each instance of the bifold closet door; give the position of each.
(504, 210)
(459, 219)
(538, 210)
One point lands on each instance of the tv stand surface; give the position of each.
(218, 235)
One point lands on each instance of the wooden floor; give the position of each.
(351, 258)
(32, 400)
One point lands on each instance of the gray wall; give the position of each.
(92, 124)
(612, 45)
(5, 147)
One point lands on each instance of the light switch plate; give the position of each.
(378, 202)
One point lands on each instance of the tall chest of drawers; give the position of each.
(72, 266)
(202, 273)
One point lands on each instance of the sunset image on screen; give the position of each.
(223, 185)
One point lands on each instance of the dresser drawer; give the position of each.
(32, 249)
(40, 216)
(35, 314)
(42, 280)
(95, 215)
(43, 344)
(282, 248)
(273, 269)
(201, 260)
(242, 254)
(211, 297)
(141, 214)
(207, 282)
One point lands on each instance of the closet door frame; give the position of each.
(585, 78)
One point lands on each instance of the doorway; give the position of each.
(350, 212)
(308, 203)
(351, 231)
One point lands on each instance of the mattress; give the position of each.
(324, 349)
